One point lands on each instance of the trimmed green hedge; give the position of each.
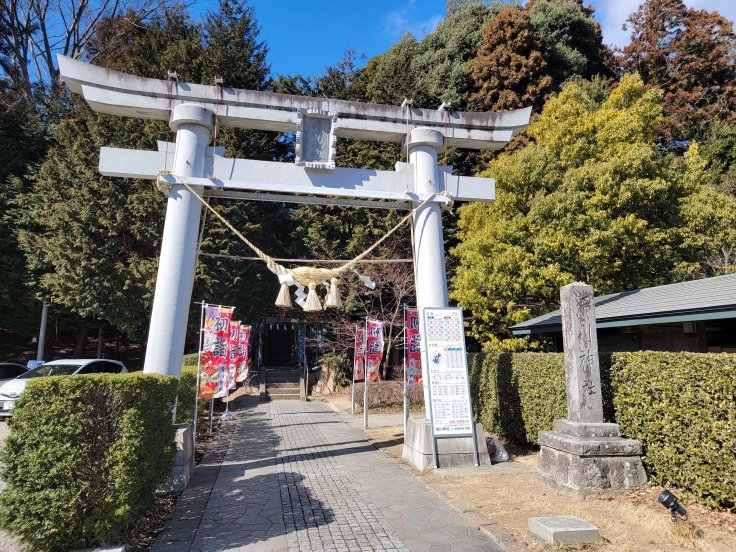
(187, 395)
(681, 406)
(84, 457)
(517, 395)
(192, 359)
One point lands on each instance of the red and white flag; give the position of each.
(412, 349)
(243, 353)
(359, 358)
(214, 361)
(374, 349)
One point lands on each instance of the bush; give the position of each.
(84, 457)
(187, 395)
(517, 395)
(382, 394)
(340, 366)
(681, 406)
(192, 359)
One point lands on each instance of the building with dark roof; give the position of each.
(698, 316)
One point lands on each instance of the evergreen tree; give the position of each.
(719, 152)
(689, 54)
(23, 141)
(94, 241)
(528, 52)
(590, 199)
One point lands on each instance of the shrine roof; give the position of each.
(705, 299)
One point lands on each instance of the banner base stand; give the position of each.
(451, 451)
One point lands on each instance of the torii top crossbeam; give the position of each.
(117, 93)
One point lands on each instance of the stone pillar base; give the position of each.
(585, 459)
(183, 464)
(451, 451)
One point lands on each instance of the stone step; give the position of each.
(283, 396)
(282, 385)
(283, 391)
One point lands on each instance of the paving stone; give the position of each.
(291, 477)
(563, 530)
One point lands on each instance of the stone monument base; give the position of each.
(584, 459)
(451, 451)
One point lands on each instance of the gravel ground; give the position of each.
(7, 543)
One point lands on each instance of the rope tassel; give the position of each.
(284, 298)
(312, 304)
(333, 300)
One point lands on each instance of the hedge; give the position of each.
(187, 394)
(681, 406)
(84, 457)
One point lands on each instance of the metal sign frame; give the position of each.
(426, 372)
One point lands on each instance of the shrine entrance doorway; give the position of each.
(279, 346)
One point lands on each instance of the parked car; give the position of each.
(11, 370)
(10, 391)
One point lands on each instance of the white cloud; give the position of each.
(399, 21)
(612, 14)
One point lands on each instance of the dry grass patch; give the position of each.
(630, 523)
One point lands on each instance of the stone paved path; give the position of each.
(292, 476)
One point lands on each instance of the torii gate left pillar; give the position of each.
(193, 125)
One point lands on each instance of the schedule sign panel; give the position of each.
(446, 361)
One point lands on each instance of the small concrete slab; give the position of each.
(502, 468)
(562, 530)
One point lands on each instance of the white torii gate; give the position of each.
(192, 111)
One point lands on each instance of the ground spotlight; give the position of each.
(670, 501)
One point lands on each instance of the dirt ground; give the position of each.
(633, 522)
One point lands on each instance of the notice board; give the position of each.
(446, 360)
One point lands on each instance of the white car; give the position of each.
(10, 391)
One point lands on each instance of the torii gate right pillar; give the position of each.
(429, 247)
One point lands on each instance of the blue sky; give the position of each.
(306, 36)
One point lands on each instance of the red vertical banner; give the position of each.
(216, 333)
(243, 353)
(374, 349)
(232, 348)
(359, 358)
(412, 351)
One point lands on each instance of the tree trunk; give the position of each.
(387, 358)
(99, 342)
(81, 344)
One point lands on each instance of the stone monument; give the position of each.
(583, 455)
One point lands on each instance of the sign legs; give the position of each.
(167, 333)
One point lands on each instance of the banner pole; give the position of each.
(196, 391)
(352, 400)
(212, 408)
(406, 390)
(366, 378)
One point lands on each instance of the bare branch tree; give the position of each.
(724, 262)
(33, 32)
(394, 288)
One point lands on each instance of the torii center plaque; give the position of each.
(318, 123)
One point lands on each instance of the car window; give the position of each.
(51, 370)
(12, 371)
(89, 369)
(107, 368)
